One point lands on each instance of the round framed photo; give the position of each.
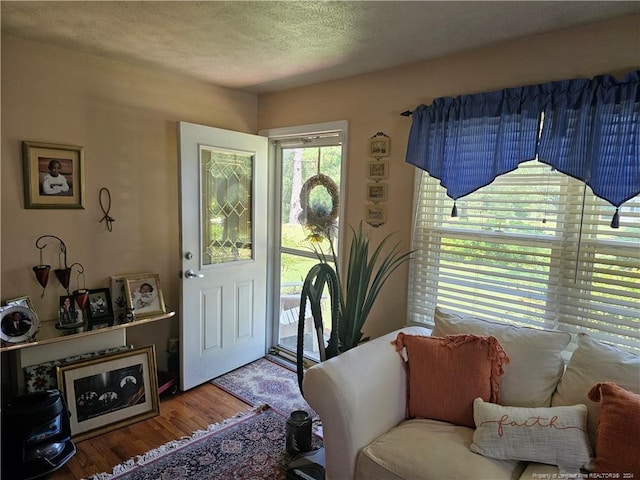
(18, 324)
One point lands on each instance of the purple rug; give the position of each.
(247, 447)
(264, 381)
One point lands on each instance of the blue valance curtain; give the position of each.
(589, 129)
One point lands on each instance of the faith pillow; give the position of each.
(445, 375)
(556, 435)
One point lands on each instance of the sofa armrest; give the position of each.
(358, 395)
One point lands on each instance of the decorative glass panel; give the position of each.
(226, 206)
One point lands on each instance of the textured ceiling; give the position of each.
(274, 45)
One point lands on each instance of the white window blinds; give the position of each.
(533, 248)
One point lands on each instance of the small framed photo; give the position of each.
(378, 169)
(21, 302)
(53, 175)
(144, 295)
(100, 309)
(379, 145)
(110, 391)
(68, 314)
(375, 214)
(19, 324)
(377, 192)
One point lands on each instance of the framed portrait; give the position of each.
(379, 145)
(377, 192)
(378, 169)
(375, 214)
(111, 391)
(21, 302)
(68, 313)
(19, 324)
(53, 175)
(144, 295)
(100, 309)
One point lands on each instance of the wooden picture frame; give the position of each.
(99, 307)
(375, 214)
(144, 295)
(53, 175)
(21, 302)
(379, 145)
(378, 169)
(110, 391)
(377, 192)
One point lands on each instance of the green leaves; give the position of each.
(366, 275)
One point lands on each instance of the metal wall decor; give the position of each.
(377, 170)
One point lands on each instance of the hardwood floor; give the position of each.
(180, 415)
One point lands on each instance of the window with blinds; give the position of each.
(533, 248)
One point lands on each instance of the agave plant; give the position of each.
(366, 275)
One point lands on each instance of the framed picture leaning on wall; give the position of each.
(53, 175)
(100, 309)
(144, 295)
(111, 391)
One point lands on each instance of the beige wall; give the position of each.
(125, 118)
(373, 103)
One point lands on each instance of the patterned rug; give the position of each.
(264, 381)
(247, 447)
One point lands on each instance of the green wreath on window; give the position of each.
(317, 217)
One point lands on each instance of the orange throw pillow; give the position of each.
(618, 432)
(445, 375)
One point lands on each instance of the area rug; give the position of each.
(265, 381)
(246, 447)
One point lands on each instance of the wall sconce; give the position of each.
(63, 273)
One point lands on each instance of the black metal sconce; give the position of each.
(63, 274)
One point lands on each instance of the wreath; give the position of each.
(318, 217)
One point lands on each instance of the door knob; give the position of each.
(191, 274)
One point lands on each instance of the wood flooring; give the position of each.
(180, 415)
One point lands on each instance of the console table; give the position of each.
(52, 344)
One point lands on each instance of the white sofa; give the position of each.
(361, 395)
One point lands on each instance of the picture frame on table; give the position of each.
(377, 192)
(100, 309)
(110, 391)
(378, 169)
(20, 301)
(18, 324)
(53, 175)
(144, 294)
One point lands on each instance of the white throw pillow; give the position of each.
(594, 362)
(536, 364)
(555, 435)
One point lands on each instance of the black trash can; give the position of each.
(36, 435)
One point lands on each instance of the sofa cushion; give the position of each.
(618, 432)
(430, 449)
(557, 436)
(445, 375)
(536, 362)
(593, 362)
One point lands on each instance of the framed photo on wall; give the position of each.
(378, 169)
(53, 175)
(144, 295)
(377, 192)
(379, 145)
(111, 391)
(375, 214)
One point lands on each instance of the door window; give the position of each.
(226, 206)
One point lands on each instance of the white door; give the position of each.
(223, 182)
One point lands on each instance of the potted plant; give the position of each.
(367, 271)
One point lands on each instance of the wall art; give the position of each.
(53, 175)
